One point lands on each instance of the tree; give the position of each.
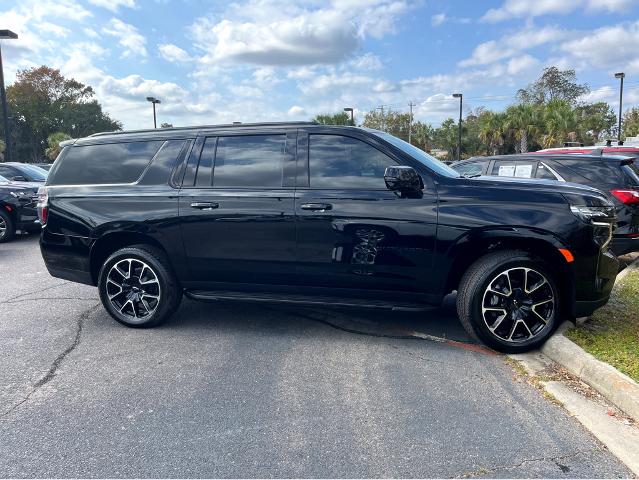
(423, 136)
(630, 123)
(395, 123)
(166, 125)
(560, 123)
(446, 138)
(553, 84)
(492, 131)
(596, 120)
(523, 120)
(42, 102)
(339, 118)
(2, 148)
(53, 142)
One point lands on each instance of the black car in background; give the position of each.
(616, 176)
(22, 172)
(18, 203)
(302, 213)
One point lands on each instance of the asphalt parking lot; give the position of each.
(248, 390)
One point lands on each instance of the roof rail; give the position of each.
(596, 152)
(200, 127)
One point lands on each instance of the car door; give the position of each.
(236, 209)
(352, 232)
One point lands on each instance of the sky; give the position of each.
(279, 60)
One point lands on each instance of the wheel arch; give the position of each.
(111, 242)
(542, 245)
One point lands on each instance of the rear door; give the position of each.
(237, 210)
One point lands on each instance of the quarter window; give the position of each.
(103, 164)
(336, 161)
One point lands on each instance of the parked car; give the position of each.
(616, 176)
(23, 172)
(302, 213)
(18, 203)
(591, 150)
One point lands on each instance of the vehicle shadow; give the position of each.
(279, 319)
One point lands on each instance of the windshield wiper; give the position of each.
(466, 175)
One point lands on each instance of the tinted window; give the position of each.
(8, 172)
(344, 162)
(245, 161)
(3, 179)
(32, 172)
(544, 173)
(103, 164)
(470, 168)
(510, 168)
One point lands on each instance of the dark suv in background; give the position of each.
(18, 201)
(616, 176)
(309, 214)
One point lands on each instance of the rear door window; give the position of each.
(112, 163)
(242, 161)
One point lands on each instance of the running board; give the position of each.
(311, 300)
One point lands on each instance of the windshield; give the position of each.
(38, 174)
(3, 180)
(419, 155)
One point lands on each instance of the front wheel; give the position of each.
(138, 287)
(509, 300)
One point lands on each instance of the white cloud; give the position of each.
(536, 8)
(512, 45)
(129, 38)
(296, 111)
(522, 63)
(615, 47)
(437, 19)
(258, 32)
(113, 5)
(173, 53)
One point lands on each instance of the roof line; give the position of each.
(202, 127)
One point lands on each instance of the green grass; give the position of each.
(612, 334)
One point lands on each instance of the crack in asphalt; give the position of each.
(58, 360)
(47, 298)
(555, 460)
(9, 300)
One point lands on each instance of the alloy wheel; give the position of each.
(3, 228)
(518, 305)
(133, 289)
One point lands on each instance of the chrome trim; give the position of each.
(554, 172)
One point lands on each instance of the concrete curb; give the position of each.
(618, 388)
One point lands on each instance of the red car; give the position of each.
(626, 151)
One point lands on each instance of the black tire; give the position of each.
(479, 308)
(150, 275)
(8, 232)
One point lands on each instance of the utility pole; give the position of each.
(383, 118)
(5, 35)
(410, 121)
(620, 76)
(459, 134)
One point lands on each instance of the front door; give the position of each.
(236, 212)
(352, 232)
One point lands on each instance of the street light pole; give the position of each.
(5, 35)
(154, 100)
(620, 76)
(459, 134)
(349, 109)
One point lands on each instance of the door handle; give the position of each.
(205, 205)
(316, 206)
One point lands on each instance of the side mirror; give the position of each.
(18, 178)
(403, 179)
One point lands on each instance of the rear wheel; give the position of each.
(138, 287)
(7, 228)
(509, 300)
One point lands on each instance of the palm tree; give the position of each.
(523, 120)
(492, 129)
(560, 121)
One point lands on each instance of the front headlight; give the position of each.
(602, 219)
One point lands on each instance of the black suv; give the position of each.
(616, 176)
(310, 214)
